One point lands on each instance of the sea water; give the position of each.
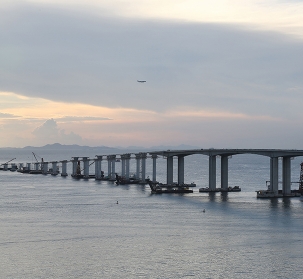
(56, 227)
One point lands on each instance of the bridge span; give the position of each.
(224, 154)
(141, 157)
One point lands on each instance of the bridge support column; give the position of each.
(123, 166)
(98, 163)
(28, 166)
(154, 167)
(138, 162)
(212, 172)
(37, 166)
(127, 166)
(286, 176)
(5, 166)
(44, 167)
(274, 175)
(113, 162)
(170, 170)
(180, 170)
(64, 164)
(143, 164)
(54, 168)
(75, 165)
(224, 172)
(86, 167)
(109, 166)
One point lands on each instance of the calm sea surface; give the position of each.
(54, 227)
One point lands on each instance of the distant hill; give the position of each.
(58, 146)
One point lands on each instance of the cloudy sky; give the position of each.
(225, 73)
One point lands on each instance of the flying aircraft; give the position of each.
(141, 81)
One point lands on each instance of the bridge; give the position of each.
(212, 153)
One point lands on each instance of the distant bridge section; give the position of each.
(212, 153)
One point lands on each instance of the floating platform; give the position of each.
(229, 189)
(266, 194)
(159, 188)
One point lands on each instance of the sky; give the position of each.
(222, 74)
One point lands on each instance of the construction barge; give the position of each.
(159, 188)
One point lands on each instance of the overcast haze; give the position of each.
(217, 75)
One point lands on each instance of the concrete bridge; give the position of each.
(273, 154)
(213, 154)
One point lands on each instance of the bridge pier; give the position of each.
(75, 165)
(154, 157)
(286, 176)
(44, 167)
(28, 166)
(224, 172)
(170, 170)
(274, 175)
(54, 168)
(64, 167)
(98, 167)
(85, 167)
(181, 170)
(212, 172)
(138, 163)
(37, 166)
(125, 158)
(111, 167)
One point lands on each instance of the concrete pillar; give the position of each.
(20, 167)
(28, 166)
(286, 176)
(109, 166)
(113, 168)
(224, 172)
(143, 164)
(212, 172)
(274, 175)
(98, 163)
(180, 170)
(123, 159)
(5, 166)
(54, 167)
(86, 167)
(37, 166)
(138, 162)
(64, 165)
(170, 170)
(75, 165)
(44, 167)
(127, 166)
(154, 167)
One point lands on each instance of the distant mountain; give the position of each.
(113, 150)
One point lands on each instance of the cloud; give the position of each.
(67, 57)
(7, 115)
(49, 132)
(81, 118)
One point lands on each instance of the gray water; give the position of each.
(54, 227)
